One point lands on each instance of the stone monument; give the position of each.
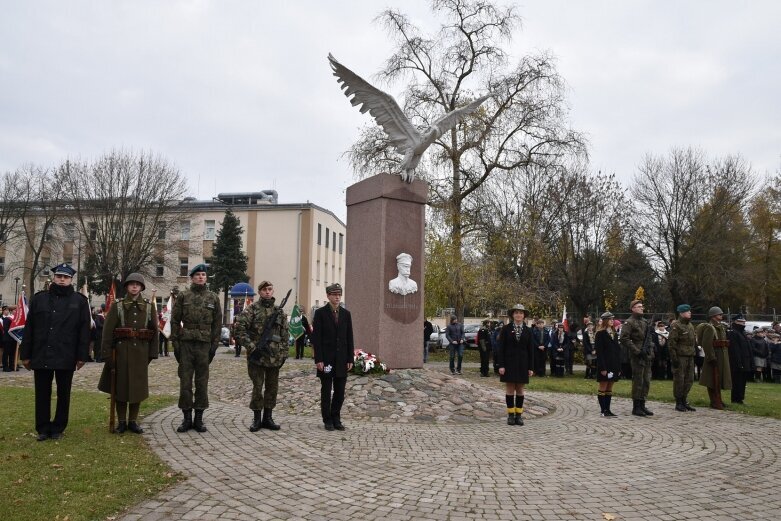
(386, 216)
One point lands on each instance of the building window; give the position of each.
(159, 268)
(341, 242)
(333, 241)
(185, 229)
(208, 233)
(327, 234)
(44, 264)
(161, 231)
(319, 233)
(48, 235)
(325, 273)
(317, 274)
(67, 260)
(93, 231)
(2, 266)
(3, 234)
(70, 231)
(333, 272)
(184, 266)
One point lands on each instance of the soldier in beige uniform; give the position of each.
(683, 345)
(715, 375)
(130, 330)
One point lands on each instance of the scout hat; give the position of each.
(63, 269)
(135, 277)
(197, 269)
(516, 307)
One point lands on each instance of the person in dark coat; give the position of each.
(560, 349)
(608, 362)
(428, 330)
(759, 351)
(539, 341)
(516, 360)
(129, 344)
(8, 343)
(484, 345)
(55, 344)
(97, 334)
(741, 362)
(332, 337)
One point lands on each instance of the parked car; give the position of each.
(470, 335)
(225, 336)
(437, 339)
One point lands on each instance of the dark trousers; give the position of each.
(738, 385)
(43, 399)
(9, 356)
(331, 405)
(300, 344)
(163, 348)
(485, 356)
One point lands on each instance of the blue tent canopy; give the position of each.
(242, 289)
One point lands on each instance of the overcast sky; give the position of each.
(239, 95)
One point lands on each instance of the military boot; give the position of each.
(198, 422)
(187, 422)
(679, 406)
(637, 410)
(687, 406)
(645, 409)
(256, 420)
(268, 421)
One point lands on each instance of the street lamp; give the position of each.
(16, 289)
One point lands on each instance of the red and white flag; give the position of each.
(16, 328)
(564, 319)
(111, 297)
(165, 320)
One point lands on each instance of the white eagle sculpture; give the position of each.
(386, 112)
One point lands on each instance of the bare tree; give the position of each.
(523, 124)
(124, 203)
(42, 194)
(677, 204)
(13, 205)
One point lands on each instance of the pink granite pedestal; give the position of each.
(385, 217)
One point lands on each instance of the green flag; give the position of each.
(295, 327)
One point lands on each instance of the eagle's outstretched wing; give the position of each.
(450, 119)
(382, 107)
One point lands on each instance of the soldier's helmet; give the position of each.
(135, 277)
(715, 310)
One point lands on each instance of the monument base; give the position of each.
(385, 217)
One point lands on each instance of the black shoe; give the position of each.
(689, 407)
(187, 422)
(134, 428)
(42, 436)
(452, 372)
(608, 414)
(679, 406)
(511, 419)
(256, 421)
(637, 410)
(56, 435)
(518, 419)
(121, 427)
(329, 426)
(338, 425)
(458, 372)
(645, 409)
(268, 421)
(198, 421)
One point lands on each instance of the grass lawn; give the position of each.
(88, 474)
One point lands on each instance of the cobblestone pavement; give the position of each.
(568, 464)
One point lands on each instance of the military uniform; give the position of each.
(633, 333)
(130, 330)
(683, 346)
(715, 375)
(265, 369)
(196, 321)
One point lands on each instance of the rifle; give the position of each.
(113, 402)
(262, 346)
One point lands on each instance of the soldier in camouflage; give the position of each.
(263, 370)
(632, 339)
(683, 346)
(196, 321)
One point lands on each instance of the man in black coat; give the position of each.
(741, 362)
(55, 343)
(332, 338)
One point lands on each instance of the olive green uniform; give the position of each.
(196, 320)
(632, 339)
(715, 374)
(265, 370)
(683, 346)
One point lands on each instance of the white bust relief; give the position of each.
(402, 284)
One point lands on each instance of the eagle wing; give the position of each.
(450, 119)
(382, 107)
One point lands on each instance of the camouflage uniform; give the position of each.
(196, 321)
(632, 339)
(249, 327)
(683, 346)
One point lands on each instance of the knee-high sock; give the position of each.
(510, 400)
(519, 403)
(601, 399)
